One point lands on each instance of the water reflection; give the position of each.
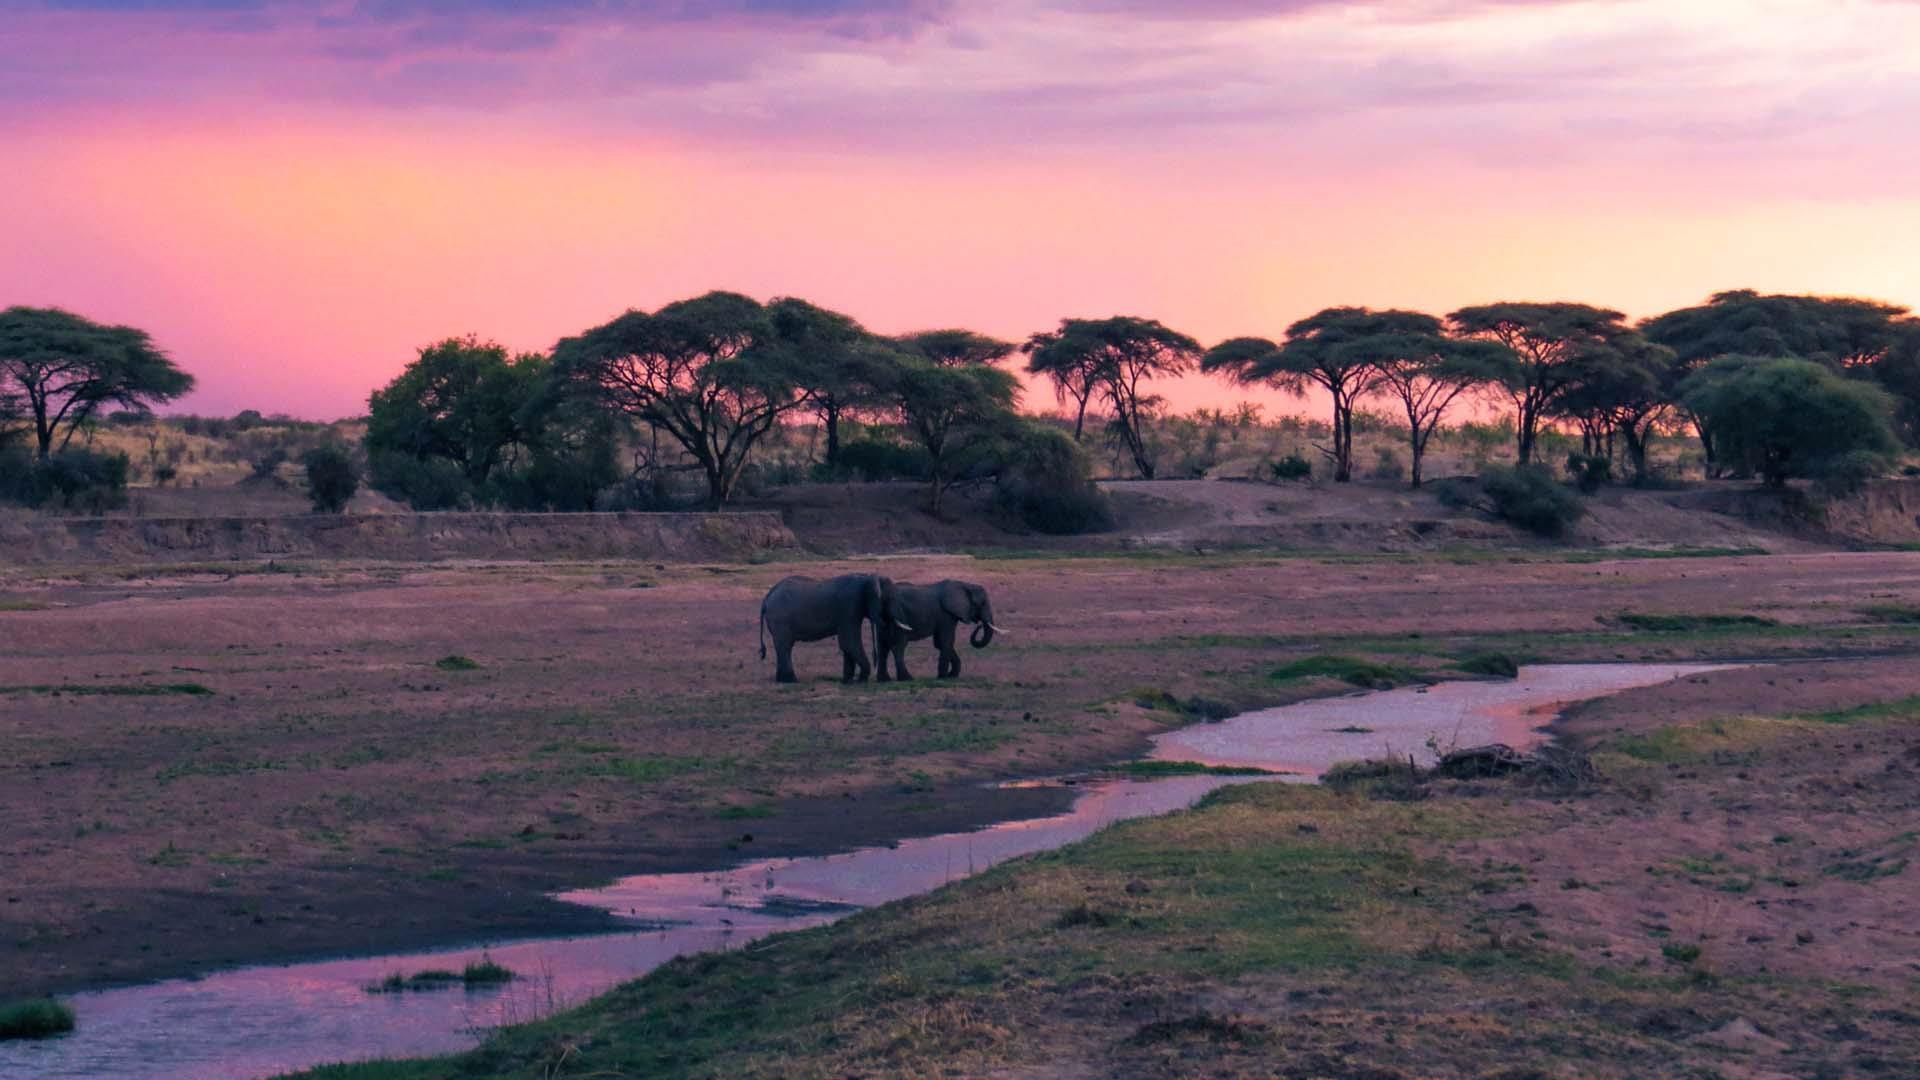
(262, 1021)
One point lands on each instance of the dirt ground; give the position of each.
(207, 766)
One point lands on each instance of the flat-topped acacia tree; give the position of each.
(711, 372)
(1338, 350)
(58, 369)
(1545, 340)
(1114, 358)
(1425, 371)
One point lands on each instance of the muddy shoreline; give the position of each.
(183, 934)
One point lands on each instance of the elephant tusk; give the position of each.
(903, 626)
(995, 629)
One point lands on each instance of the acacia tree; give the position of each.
(1839, 332)
(832, 358)
(1425, 371)
(57, 370)
(1544, 340)
(1619, 387)
(955, 413)
(707, 371)
(1338, 350)
(1113, 357)
(1074, 372)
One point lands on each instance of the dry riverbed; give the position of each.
(209, 766)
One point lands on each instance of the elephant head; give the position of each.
(883, 606)
(968, 602)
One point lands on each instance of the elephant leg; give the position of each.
(783, 660)
(854, 656)
(951, 662)
(900, 663)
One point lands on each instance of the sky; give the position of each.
(294, 198)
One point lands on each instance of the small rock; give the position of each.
(1740, 1034)
(1136, 887)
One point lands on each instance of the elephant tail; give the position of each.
(763, 631)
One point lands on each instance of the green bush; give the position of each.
(36, 1018)
(1046, 484)
(873, 459)
(1784, 418)
(332, 478)
(1291, 467)
(421, 483)
(1589, 472)
(1529, 497)
(73, 480)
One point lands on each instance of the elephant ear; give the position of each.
(954, 597)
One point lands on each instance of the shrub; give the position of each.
(873, 459)
(1529, 497)
(421, 483)
(1387, 464)
(1589, 472)
(1291, 467)
(36, 1018)
(1496, 664)
(1783, 418)
(331, 478)
(1045, 482)
(267, 465)
(77, 480)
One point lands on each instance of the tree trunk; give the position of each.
(1342, 440)
(1080, 418)
(1524, 436)
(830, 414)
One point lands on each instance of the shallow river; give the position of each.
(260, 1021)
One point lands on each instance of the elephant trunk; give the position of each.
(982, 635)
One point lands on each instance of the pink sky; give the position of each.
(293, 198)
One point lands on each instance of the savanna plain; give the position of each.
(227, 762)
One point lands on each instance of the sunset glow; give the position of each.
(293, 197)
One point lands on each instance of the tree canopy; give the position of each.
(58, 369)
(1426, 372)
(459, 400)
(1543, 340)
(1783, 418)
(835, 361)
(1113, 357)
(709, 372)
(955, 348)
(1837, 331)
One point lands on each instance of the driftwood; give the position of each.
(1550, 764)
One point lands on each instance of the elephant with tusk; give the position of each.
(934, 611)
(806, 609)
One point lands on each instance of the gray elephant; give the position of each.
(934, 611)
(806, 609)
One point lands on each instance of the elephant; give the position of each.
(934, 611)
(806, 609)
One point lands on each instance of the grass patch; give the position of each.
(1496, 664)
(35, 1018)
(1347, 669)
(8, 603)
(479, 973)
(1889, 613)
(457, 663)
(1152, 770)
(186, 689)
(1900, 708)
(1196, 708)
(1691, 624)
(749, 812)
